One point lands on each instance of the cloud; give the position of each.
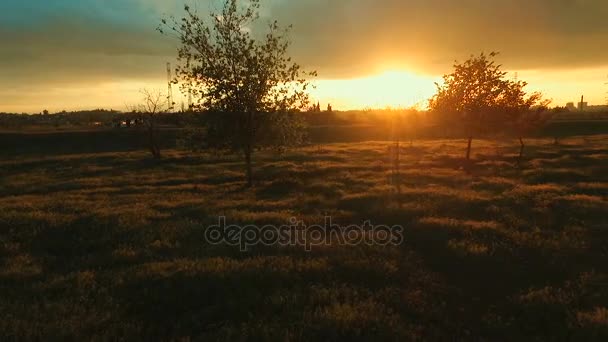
(341, 38)
(346, 37)
(66, 42)
(82, 43)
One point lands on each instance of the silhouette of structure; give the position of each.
(169, 88)
(316, 108)
(571, 107)
(582, 105)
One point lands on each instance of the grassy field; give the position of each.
(111, 245)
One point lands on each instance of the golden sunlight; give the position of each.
(393, 88)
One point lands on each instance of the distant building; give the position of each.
(583, 106)
(570, 106)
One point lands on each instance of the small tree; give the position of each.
(477, 97)
(530, 121)
(251, 89)
(525, 114)
(152, 103)
(413, 125)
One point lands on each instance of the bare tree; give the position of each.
(395, 153)
(153, 102)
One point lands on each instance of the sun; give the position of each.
(390, 88)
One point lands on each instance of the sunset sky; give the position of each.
(78, 54)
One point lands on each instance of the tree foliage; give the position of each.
(478, 97)
(249, 86)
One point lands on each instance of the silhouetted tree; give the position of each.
(395, 153)
(316, 108)
(519, 113)
(252, 88)
(414, 125)
(152, 103)
(478, 97)
(529, 121)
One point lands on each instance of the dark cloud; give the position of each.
(69, 49)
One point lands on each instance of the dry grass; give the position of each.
(111, 245)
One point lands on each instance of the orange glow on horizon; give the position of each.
(391, 88)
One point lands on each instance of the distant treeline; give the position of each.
(60, 119)
(82, 119)
(408, 122)
(108, 118)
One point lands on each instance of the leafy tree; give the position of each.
(250, 87)
(478, 97)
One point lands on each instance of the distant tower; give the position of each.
(169, 88)
(582, 105)
(516, 77)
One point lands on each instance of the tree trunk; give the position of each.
(469, 148)
(153, 142)
(521, 151)
(249, 148)
(398, 167)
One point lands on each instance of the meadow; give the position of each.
(110, 245)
